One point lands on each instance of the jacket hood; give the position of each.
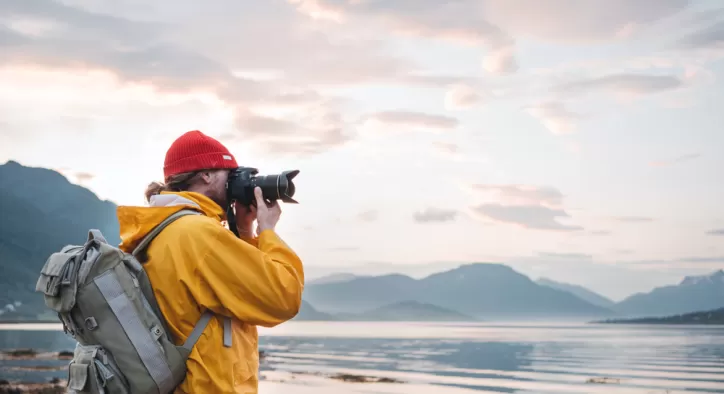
(136, 222)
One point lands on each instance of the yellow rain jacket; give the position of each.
(196, 264)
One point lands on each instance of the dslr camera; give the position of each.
(240, 188)
(243, 180)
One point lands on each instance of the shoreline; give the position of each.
(284, 381)
(281, 381)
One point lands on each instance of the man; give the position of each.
(196, 264)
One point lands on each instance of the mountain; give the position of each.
(361, 294)
(408, 311)
(579, 291)
(479, 290)
(401, 311)
(715, 316)
(333, 278)
(308, 312)
(42, 212)
(694, 293)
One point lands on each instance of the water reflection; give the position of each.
(487, 358)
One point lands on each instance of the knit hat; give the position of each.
(194, 151)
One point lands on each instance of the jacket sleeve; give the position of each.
(260, 285)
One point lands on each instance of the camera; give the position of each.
(243, 180)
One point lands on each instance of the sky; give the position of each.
(578, 140)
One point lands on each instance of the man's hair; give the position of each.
(174, 183)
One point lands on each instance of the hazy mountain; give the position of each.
(333, 278)
(715, 316)
(479, 290)
(361, 294)
(308, 312)
(408, 311)
(401, 311)
(579, 291)
(41, 212)
(417, 271)
(694, 293)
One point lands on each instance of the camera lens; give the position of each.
(278, 186)
(243, 180)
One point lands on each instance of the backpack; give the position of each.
(104, 299)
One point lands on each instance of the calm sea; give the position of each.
(530, 358)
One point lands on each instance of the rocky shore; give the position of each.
(58, 385)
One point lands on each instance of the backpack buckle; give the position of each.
(90, 323)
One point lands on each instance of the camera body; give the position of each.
(242, 181)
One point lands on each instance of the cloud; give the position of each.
(699, 259)
(457, 21)
(446, 148)
(494, 23)
(624, 251)
(710, 37)
(368, 216)
(600, 232)
(624, 84)
(682, 261)
(565, 256)
(435, 215)
(460, 97)
(410, 119)
(454, 152)
(633, 219)
(134, 51)
(252, 124)
(575, 21)
(528, 216)
(500, 61)
(534, 207)
(308, 130)
(718, 231)
(675, 160)
(461, 21)
(523, 194)
(84, 176)
(148, 48)
(555, 117)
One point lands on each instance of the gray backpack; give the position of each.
(105, 301)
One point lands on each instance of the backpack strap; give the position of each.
(96, 234)
(157, 230)
(201, 326)
(198, 330)
(207, 315)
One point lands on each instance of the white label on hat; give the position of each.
(227, 157)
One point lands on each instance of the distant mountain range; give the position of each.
(580, 292)
(334, 278)
(481, 290)
(401, 311)
(715, 316)
(42, 211)
(308, 312)
(694, 293)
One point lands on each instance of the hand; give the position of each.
(245, 217)
(267, 215)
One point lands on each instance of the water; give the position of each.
(495, 358)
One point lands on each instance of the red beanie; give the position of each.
(194, 151)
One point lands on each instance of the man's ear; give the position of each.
(206, 177)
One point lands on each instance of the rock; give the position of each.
(363, 379)
(604, 380)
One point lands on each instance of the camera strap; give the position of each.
(231, 220)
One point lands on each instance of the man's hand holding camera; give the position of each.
(266, 214)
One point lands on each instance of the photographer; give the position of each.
(197, 264)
